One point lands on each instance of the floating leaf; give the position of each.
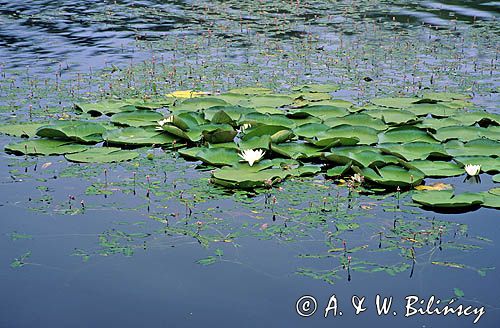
(21, 130)
(132, 136)
(438, 168)
(448, 199)
(138, 118)
(102, 155)
(45, 147)
(394, 102)
(415, 150)
(82, 131)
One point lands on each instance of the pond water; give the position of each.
(152, 242)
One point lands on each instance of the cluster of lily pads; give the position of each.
(255, 138)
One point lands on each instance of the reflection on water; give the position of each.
(255, 251)
(103, 31)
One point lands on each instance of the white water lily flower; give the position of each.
(252, 156)
(472, 169)
(166, 120)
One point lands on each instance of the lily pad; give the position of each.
(132, 136)
(345, 135)
(269, 100)
(394, 102)
(465, 133)
(445, 96)
(213, 156)
(82, 131)
(258, 142)
(365, 158)
(394, 116)
(358, 119)
(321, 111)
(415, 150)
(105, 107)
(45, 147)
(436, 110)
(448, 199)
(138, 118)
(102, 155)
(436, 169)
(269, 119)
(296, 150)
(405, 134)
(310, 130)
(477, 147)
(21, 130)
(392, 176)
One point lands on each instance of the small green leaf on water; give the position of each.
(458, 292)
(15, 236)
(207, 261)
(19, 262)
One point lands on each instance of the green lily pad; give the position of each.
(233, 112)
(496, 178)
(82, 131)
(264, 129)
(445, 96)
(133, 136)
(492, 198)
(264, 173)
(436, 110)
(392, 175)
(447, 199)
(335, 102)
(338, 171)
(310, 130)
(364, 158)
(394, 102)
(311, 97)
(138, 118)
(477, 147)
(465, 133)
(105, 107)
(481, 117)
(358, 119)
(102, 155)
(258, 142)
(345, 135)
(213, 156)
(268, 119)
(232, 98)
(436, 169)
(320, 111)
(415, 150)
(394, 116)
(268, 100)
(434, 124)
(405, 134)
(21, 130)
(296, 150)
(45, 147)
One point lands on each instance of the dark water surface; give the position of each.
(55, 52)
